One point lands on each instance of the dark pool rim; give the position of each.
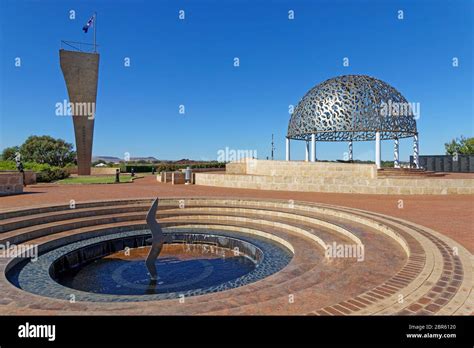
(70, 263)
(38, 278)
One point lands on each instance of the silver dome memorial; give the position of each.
(353, 108)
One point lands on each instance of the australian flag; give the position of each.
(88, 24)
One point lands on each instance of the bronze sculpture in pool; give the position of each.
(157, 239)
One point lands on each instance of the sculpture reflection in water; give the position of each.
(157, 239)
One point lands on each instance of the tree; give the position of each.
(9, 153)
(460, 146)
(46, 149)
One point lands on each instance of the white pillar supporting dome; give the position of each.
(396, 154)
(378, 159)
(350, 151)
(416, 151)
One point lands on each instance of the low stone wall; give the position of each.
(375, 186)
(95, 170)
(352, 180)
(71, 170)
(11, 183)
(103, 171)
(30, 177)
(236, 168)
(204, 170)
(301, 168)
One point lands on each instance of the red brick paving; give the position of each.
(451, 215)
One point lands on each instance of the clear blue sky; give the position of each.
(190, 62)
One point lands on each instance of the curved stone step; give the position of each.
(15, 212)
(23, 234)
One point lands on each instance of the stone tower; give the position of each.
(81, 73)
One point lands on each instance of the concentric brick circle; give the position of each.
(38, 277)
(404, 268)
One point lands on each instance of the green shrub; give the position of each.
(51, 174)
(44, 172)
(7, 165)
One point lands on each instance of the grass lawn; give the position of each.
(96, 179)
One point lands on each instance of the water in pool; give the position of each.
(180, 267)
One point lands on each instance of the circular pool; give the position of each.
(112, 267)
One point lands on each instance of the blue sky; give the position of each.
(190, 62)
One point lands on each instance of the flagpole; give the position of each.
(95, 28)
